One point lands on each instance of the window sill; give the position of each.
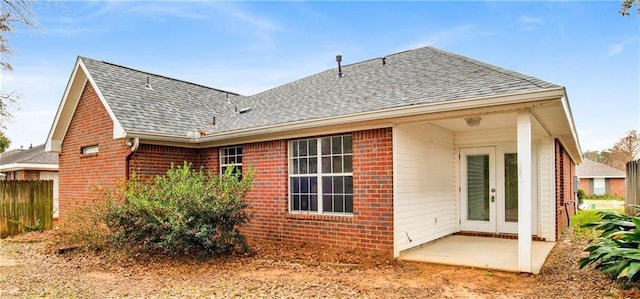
(346, 218)
(88, 155)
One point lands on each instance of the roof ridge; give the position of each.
(161, 76)
(330, 69)
(491, 67)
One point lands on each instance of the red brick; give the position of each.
(565, 171)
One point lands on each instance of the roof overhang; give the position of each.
(550, 106)
(77, 82)
(28, 166)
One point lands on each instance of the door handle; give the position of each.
(493, 198)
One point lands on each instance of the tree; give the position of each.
(596, 156)
(4, 142)
(12, 12)
(625, 150)
(626, 6)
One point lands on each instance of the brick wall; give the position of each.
(370, 227)
(565, 170)
(151, 160)
(79, 174)
(30, 175)
(209, 159)
(22, 175)
(585, 184)
(617, 187)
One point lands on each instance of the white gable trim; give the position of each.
(76, 85)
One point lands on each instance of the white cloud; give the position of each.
(447, 37)
(167, 9)
(241, 17)
(258, 22)
(527, 19)
(529, 23)
(617, 48)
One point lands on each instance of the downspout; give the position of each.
(134, 143)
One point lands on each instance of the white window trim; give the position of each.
(318, 175)
(221, 156)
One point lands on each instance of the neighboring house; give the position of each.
(384, 154)
(600, 179)
(33, 163)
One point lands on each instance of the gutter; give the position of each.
(134, 144)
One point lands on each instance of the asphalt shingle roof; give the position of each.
(420, 76)
(169, 106)
(34, 155)
(590, 169)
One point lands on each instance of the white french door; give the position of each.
(478, 189)
(489, 189)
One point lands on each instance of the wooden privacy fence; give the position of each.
(25, 205)
(632, 195)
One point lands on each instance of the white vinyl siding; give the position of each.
(52, 176)
(426, 201)
(546, 190)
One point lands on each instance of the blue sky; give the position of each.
(248, 47)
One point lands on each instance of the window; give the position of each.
(599, 187)
(231, 157)
(320, 175)
(88, 150)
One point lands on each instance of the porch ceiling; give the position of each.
(488, 122)
(551, 118)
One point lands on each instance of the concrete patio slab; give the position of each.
(479, 252)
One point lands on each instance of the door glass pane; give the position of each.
(478, 187)
(511, 187)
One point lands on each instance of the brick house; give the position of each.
(385, 154)
(33, 163)
(600, 179)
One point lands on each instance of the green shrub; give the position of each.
(182, 212)
(616, 251)
(581, 195)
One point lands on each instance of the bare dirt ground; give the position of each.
(31, 267)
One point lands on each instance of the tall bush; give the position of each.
(185, 211)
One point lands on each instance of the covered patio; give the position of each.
(478, 252)
(492, 171)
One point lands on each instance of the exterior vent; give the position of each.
(148, 84)
(339, 60)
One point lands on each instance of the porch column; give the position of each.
(524, 192)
